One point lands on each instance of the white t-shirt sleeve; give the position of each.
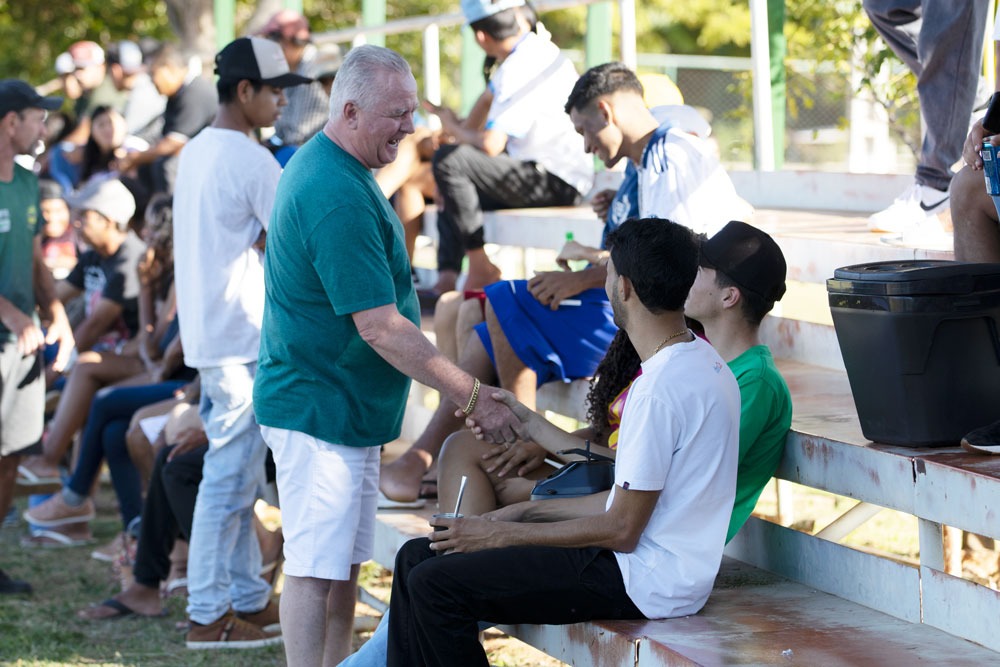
(263, 192)
(644, 466)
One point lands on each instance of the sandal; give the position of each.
(26, 477)
(53, 539)
(120, 608)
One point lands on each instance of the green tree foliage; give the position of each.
(34, 33)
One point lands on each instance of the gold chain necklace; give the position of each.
(670, 338)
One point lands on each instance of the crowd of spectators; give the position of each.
(185, 230)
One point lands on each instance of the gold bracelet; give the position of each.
(467, 410)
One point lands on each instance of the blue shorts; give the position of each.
(562, 344)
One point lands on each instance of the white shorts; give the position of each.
(328, 494)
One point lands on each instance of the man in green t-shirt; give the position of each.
(741, 276)
(339, 344)
(24, 283)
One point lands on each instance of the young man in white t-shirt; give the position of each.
(653, 548)
(226, 184)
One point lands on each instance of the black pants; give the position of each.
(470, 182)
(167, 513)
(437, 601)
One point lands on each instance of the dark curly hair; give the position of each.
(616, 370)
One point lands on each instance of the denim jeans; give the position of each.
(104, 440)
(224, 559)
(374, 652)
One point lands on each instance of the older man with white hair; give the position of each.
(339, 345)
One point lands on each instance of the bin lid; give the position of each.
(915, 277)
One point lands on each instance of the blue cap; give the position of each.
(476, 10)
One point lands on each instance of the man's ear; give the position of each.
(625, 288)
(244, 91)
(605, 110)
(731, 296)
(350, 114)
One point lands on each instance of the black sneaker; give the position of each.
(983, 440)
(10, 586)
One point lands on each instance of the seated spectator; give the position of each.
(675, 477)
(525, 154)
(102, 441)
(191, 106)
(308, 105)
(108, 277)
(167, 515)
(86, 81)
(144, 106)
(60, 245)
(97, 158)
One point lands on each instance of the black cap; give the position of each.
(49, 189)
(257, 59)
(16, 95)
(749, 256)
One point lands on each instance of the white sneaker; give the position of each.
(910, 208)
(926, 234)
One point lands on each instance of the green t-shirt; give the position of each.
(765, 417)
(19, 223)
(334, 247)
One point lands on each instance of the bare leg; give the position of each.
(446, 281)
(317, 619)
(462, 454)
(482, 271)
(514, 375)
(977, 237)
(400, 480)
(445, 316)
(469, 315)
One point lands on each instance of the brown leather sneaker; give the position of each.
(266, 619)
(229, 632)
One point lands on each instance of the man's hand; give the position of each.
(525, 456)
(450, 122)
(61, 332)
(188, 440)
(29, 336)
(551, 287)
(974, 144)
(492, 421)
(601, 202)
(469, 534)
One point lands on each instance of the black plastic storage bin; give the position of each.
(920, 344)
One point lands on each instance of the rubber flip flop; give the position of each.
(25, 477)
(121, 608)
(51, 539)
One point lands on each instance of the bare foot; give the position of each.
(446, 281)
(140, 600)
(401, 479)
(41, 467)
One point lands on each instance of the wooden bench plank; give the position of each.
(873, 581)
